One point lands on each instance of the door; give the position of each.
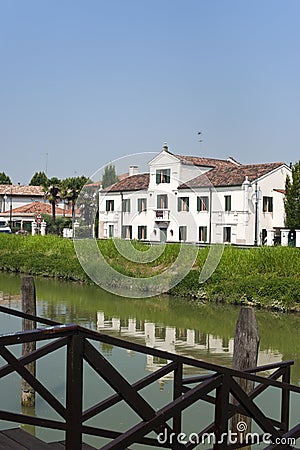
(163, 234)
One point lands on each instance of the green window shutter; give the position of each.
(168, 175)
(198, 204)
(205, 202)
(227, 202)
(166, 203)
(179, 204)
(158, 177)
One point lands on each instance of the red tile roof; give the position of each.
(222, 173)
(206, 162)
(231, 175)
(19, 190)
(132, 183)
(36, 207)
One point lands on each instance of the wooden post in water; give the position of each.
(245, 353)
(28, 307)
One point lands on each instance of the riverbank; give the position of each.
(264, 277)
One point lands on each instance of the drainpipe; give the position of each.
(121, 215)
(256, 215)
(210, 214)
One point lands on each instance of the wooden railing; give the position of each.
(219, 387)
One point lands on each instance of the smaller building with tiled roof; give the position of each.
(196, 199)
(20, 204)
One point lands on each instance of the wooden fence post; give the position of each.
(245, 353)
(28, 307)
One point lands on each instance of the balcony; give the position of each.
(162, 215)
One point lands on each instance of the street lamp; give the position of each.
(10, 210)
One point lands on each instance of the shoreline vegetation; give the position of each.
(264, 277)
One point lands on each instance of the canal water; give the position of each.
(168, 323)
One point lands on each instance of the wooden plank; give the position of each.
(28, 307)
(26, 440)
(8, 444)
(245, 353)
(60, 445)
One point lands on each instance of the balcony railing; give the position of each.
(162, 215)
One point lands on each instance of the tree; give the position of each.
(53, 194)
(70, 189)
(39, 179)
(292, 198)
(109, 176)
(4, 179)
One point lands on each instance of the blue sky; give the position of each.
(90, 81)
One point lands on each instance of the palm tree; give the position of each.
(53, 194)
(70, 190)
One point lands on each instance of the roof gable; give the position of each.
(164, 157)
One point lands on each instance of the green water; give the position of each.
(172, 324)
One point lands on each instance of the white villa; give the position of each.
(196, 199)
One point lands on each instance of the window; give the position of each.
(126, 232)
(183, 203)
(126, 205)
(142, 204)
(203, 234)
(227, 234)
(110, 205)
(267, 204)
(202, 203)
(110, 231)
(163, 176)
(227, 202)
(162, 201)
(182, 233)
(142, 232)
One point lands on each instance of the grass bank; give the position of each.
(264, 277)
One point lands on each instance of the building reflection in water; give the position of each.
(187, 342)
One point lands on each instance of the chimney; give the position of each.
(233, 161)
(133, 170)
(165, 147)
